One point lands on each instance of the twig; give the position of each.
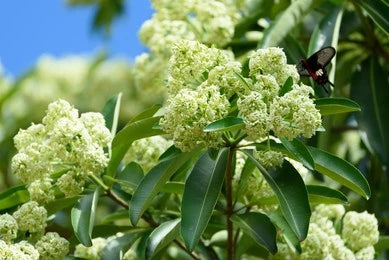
(229, 209)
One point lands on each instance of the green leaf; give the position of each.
(383, 244)
(162, 236)
(111, 112)
(83, 216)
(117, 215)
(259, 227)
(300, 151)
(136, 130)
(286, 87)
(119, 245)
(292, 195)
(122, 141)
(294, 51)
(60, 204)
(286, 21)
(326, 33)
(332, 166)
(131, 175)
(248, 168)
(286, 232)
(378, 11)
(331, 106)
(13, 197)
(170, 153)
(174, 187)
(153, 183)
(226, 124)
(370, 90)
(146, 114)
(256, 11)
(202, 190)
(341, 171)
(324, 195)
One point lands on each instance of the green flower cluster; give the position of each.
(63, 143)
(203, 83)
(27, 227)
(359, 233)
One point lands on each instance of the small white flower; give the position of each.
(93, 252)
(8, 228)
(51, 246)
(31, 217)
(359, 230)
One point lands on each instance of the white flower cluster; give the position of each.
(211, 22)
(63, 142)
(189, 111)
(359, 233)
(201, 81)
(29, 219)
(86, 82)
(195, 101)
(262, 109)
(269, 159)
(146, 151)
(94, 252)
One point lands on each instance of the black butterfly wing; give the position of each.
(321, 58)
(302, 70)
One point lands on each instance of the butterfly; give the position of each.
(315, 65)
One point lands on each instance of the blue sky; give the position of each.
(30, 28)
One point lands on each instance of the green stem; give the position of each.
(229, 209)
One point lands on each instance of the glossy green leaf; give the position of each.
(153, 183)
(300, 151)
(226, 124)
(369, 87)
(122, 141)
(174, 187)
(331, 106)
(83, 217)
(111, 112)
(13, 197)
(378, 11)
(324, 195)
(326, 33)
(146, 114)
(247, 170)
(136, 130)
(118, 246)
(162, 236)
(117, 215)
(286, 87)
(131, 175)
(332, 166)
(259, 227)
(286, 21)
(59, 204)
(286, 232)
(341, 171)
(292, 195)
(171, 152)
(202, 190)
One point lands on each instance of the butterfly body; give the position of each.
(315, 65)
